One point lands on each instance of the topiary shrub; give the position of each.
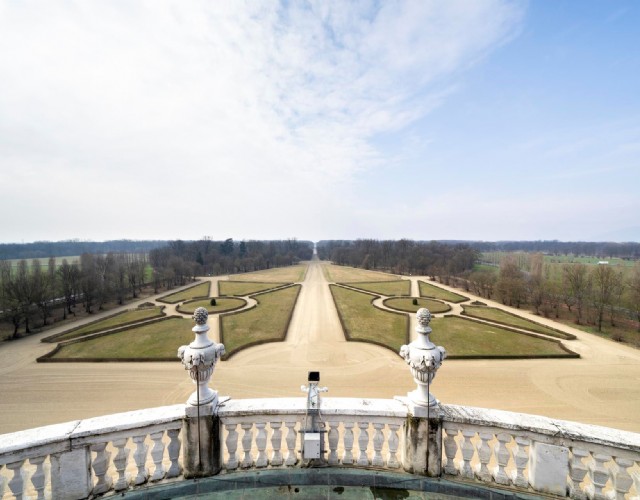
(415, 302)
(213, 302)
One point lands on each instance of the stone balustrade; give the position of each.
(115, 453)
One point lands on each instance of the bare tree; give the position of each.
(579, 284)
(633, 295)
(605, 281)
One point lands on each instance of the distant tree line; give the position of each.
(400, 256)
(46, 249)
(29, 291)
(629, 250)
(180, 259)
(594, 294)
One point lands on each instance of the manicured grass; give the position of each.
(289, 274)
(201, 290)
(434, 292)
(500, 316)
(464, 338)
(268, 322)
(157, 340)
(109, 322)
(406, 304)
(362, 321)
(345, 274)
(242, 288)
(388, 288)
(223, 304)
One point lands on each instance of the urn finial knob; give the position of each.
(200, 316)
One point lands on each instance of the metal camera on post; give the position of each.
(313, 442)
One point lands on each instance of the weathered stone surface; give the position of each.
(70, 474)
(549, 468)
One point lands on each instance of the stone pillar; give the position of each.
(71, 474)
(201, 427)
(422, 453)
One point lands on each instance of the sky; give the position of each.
(469, 120)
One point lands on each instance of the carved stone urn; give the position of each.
(424, 358)
(200, 358)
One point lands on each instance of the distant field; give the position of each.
(362, 321)
(406, 304)
(44, 262)
(289, 274)
(242, 288)
(388, 288)
(113, 321)
(345, 274)
(435, 292)
(201, 290)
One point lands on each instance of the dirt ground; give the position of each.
(603, 387)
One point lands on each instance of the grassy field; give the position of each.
(500, 316)
(344, 274)
(268, 322)
(464, 338)
(388, 288)
(113, 321)
(157, 340)
(406, 305)
(289, 274)
(362, 321)
(434, 292)
(223, 304)
(242, 288)
(201, 290)
(44, 261)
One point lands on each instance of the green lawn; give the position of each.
(500, 316)
(268, 322)
(388, 288)
(465, 338)
(289, 274)
(223, 304)
(109, 322)
(406, 304)
(435, 292)
(364, 322)
(157, 340)
(345, 274)
(201, 290)
(242, 288)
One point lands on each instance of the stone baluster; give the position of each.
(100, 465)
(16, 484)
(247, 440)
(467, 453)
(231, 443)
(120, 462)
(363, 443)
(38, 478)
(577, 472)
(1, 482)
(140, 458)
(347, 458)
(522, 459)
(261, 443)
(502, 455)
(600, 475)
(622, 478)
(292, 437)
(450, 449)
(157, 454)
(392, 461)
(175, 469)
(484, 455)
(276, 443)
(378, 441)
(334, 437)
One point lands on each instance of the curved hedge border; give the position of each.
(280, 338)
(274, 287)
(570, 353)
(346, 331)
(458, 301)
(563, 335)
(448, 307)
(163, 298)
(219, 297)
(48, 357)
(52, 338)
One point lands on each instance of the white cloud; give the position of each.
(255, 102)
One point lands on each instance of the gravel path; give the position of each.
(603, 387)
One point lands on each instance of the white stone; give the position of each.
(549, 468)
(70, 476)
